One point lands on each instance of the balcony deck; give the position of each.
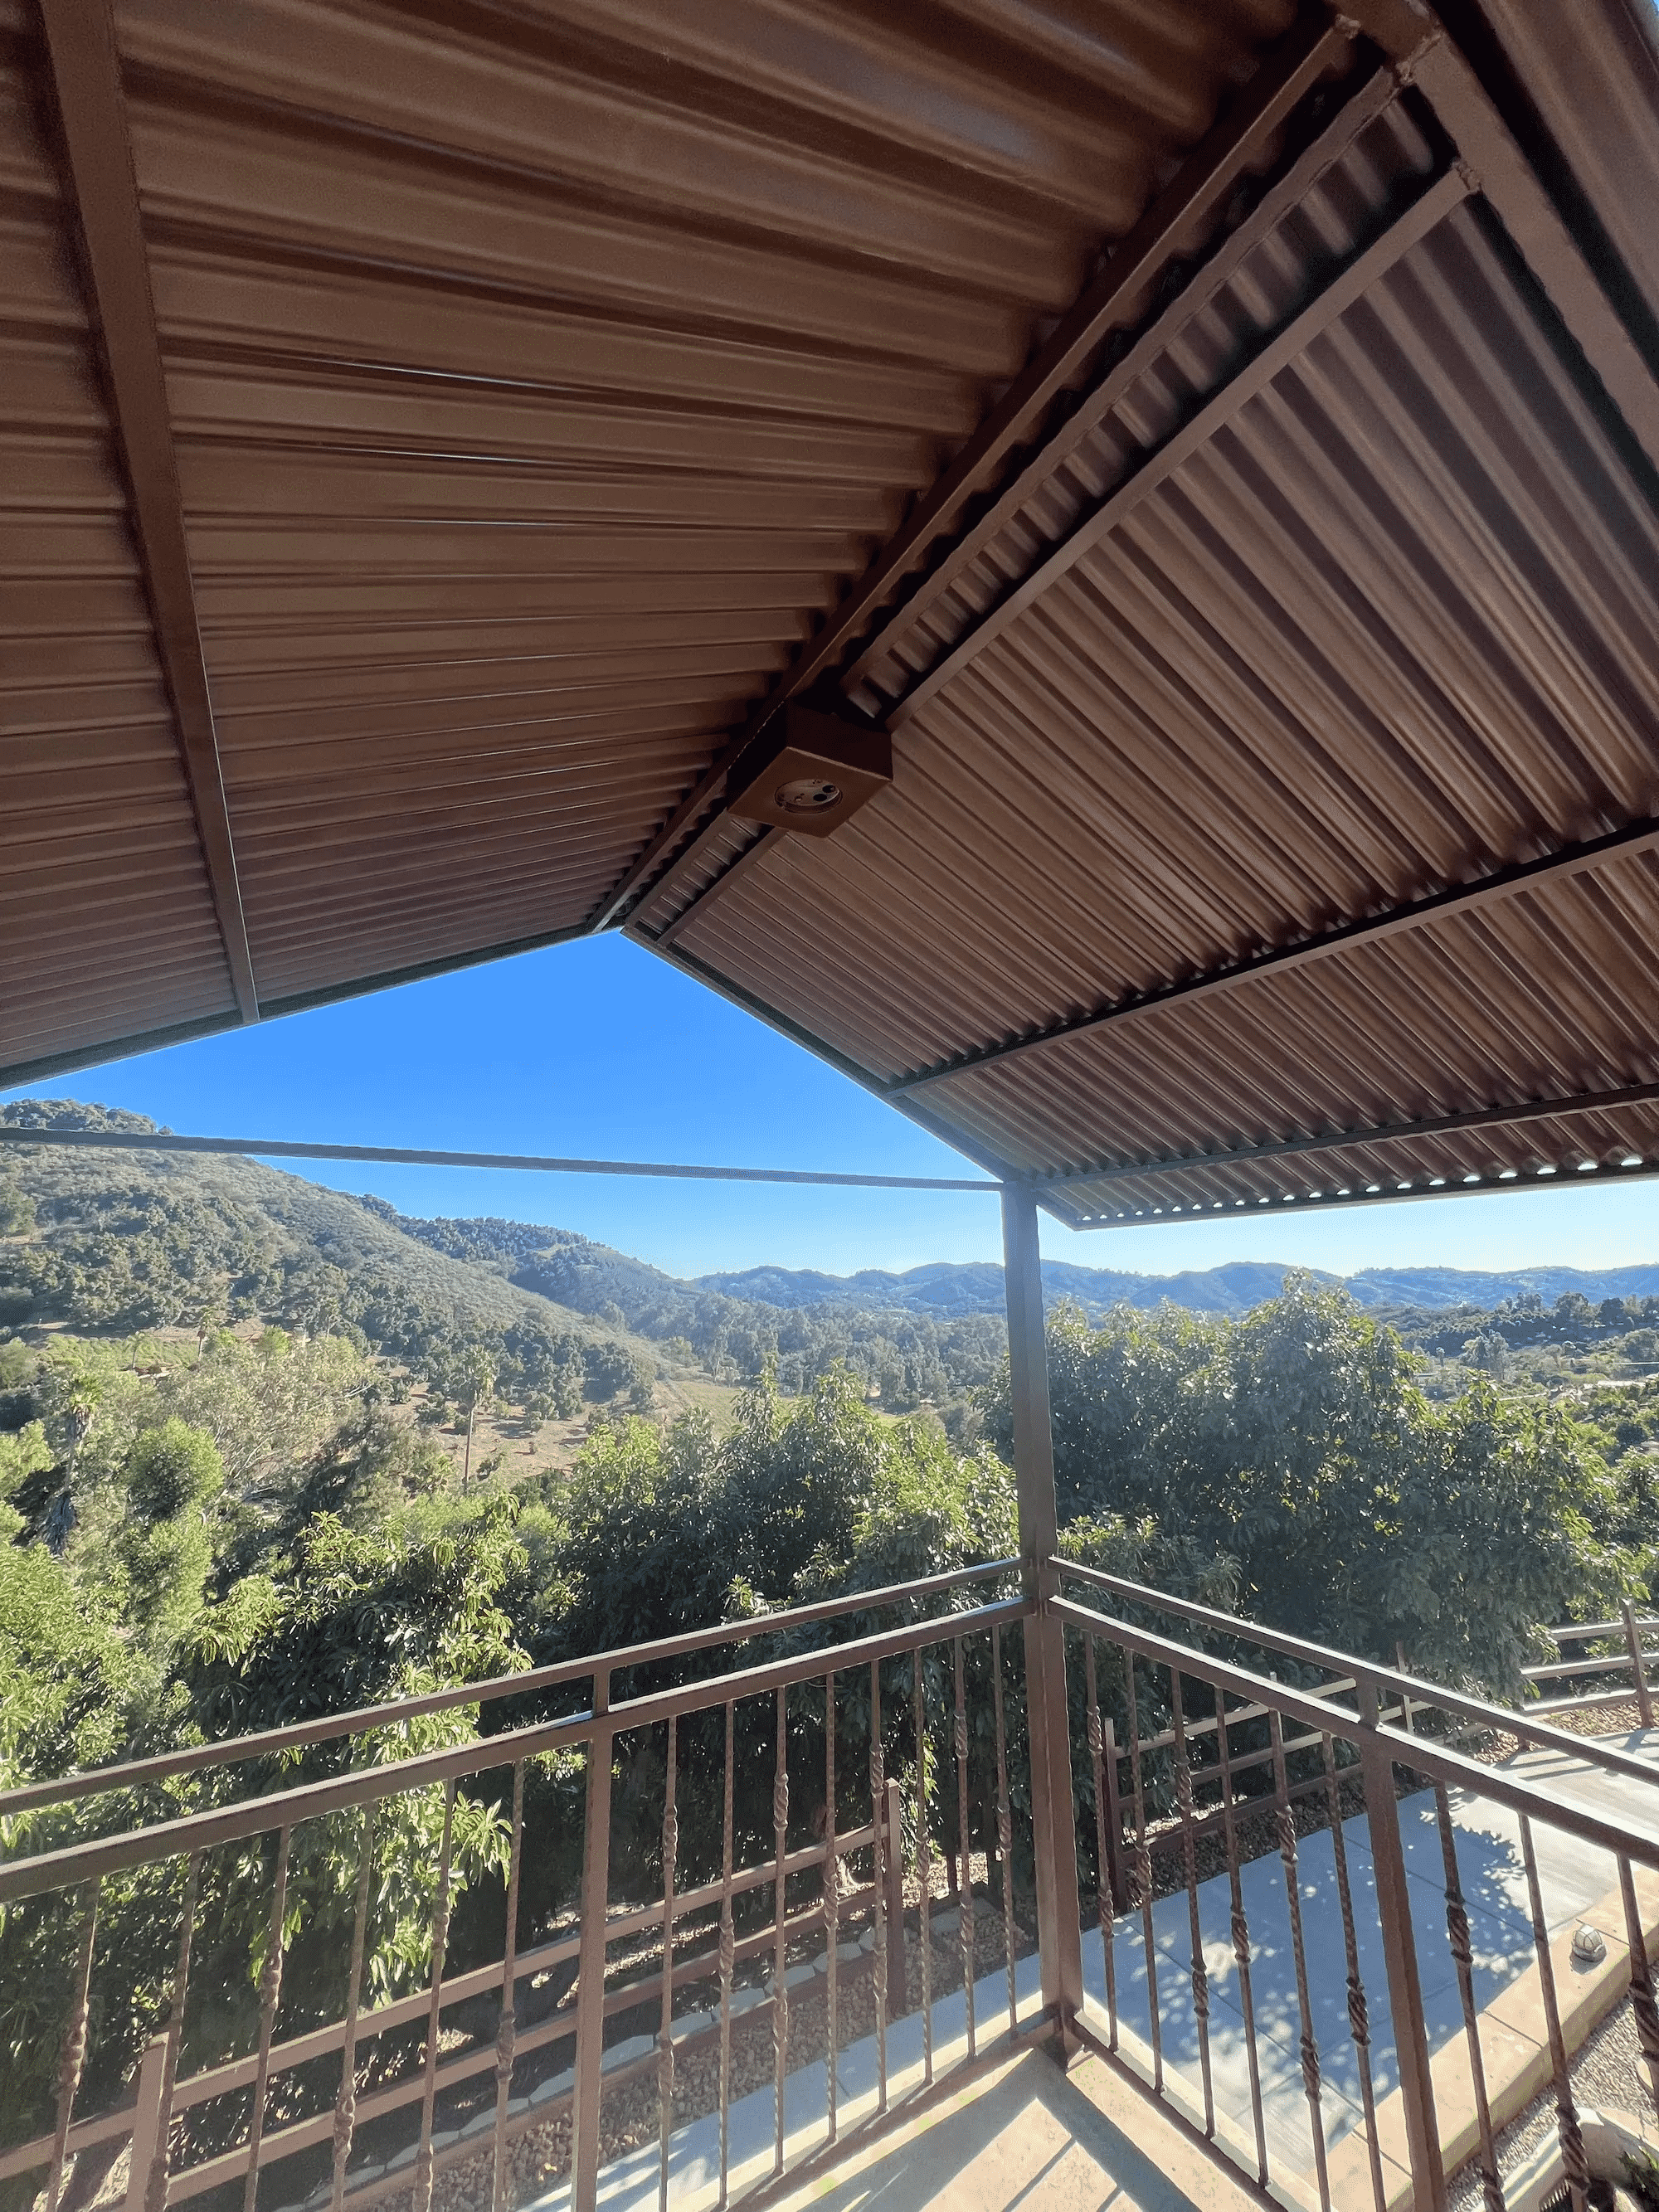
(1024, 2134)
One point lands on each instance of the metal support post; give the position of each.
(1400, 1954)
(893, 1875)
(1054, 1830)
(590, 1981)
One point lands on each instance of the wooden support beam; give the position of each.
(87, 84)
(1315, 46)
(1506, 882)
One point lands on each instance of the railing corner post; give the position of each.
(1054, 1822)
(1400, 1957)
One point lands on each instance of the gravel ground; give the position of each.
(1607, 2076)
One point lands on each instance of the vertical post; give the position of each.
(590, 1980)
(147, 2122)
(1400, 1956)
(1054, 1837)
(893, 1871)
(1638, 1667)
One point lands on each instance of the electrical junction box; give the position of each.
(809, 771)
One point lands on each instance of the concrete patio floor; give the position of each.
(1024, 2137)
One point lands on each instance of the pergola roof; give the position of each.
(1217, 441)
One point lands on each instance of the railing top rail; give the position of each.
(255, 1816)
(1421, 1752)
(1505, 1719)
(139, 1773)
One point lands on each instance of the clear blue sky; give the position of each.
(598, 1049)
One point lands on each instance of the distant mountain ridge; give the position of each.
(943, 1288)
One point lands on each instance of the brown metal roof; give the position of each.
(534, 396)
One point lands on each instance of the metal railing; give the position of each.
(761, 1863)
(1186, 1743)
(902, 1743)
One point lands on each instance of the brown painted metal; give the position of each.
(831, 1914)
(73, 2053)
(1191, 202)
(507, 2021)
(1385, 1686)
(1140, 1864)
(1285, 1822)
(924, 1865)
(1508, 883)
(133, 1774)
(1359, 2027)
(1400, 1958)
(1052, 1820)
(86, 80)
(1239, 1928)
(595, 1907)
(1109, 1834)
(271, 1991)
(963, 1869)
(780, 1947)
(1645, 2007)
(283, 1148)
(1425, 213)
(1458, 1941)
(345, 2123)
(1004, 1830)
(1573, 2158)
(1198, 1973)
(1332, 1142)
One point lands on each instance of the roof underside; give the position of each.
(1221, 449)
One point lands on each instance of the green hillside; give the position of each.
(119, 1242)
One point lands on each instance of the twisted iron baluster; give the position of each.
(1641, 2002)
(877, 1808)
(423, 2164)
(671, 1850)
(1359, 2025)
(1573, 2159)
(155, 2191)
(1462, 1951)
(925, 1876)
(1105, 1904)
(965, 1893)
(345, 2109)
(780, 1985)
(73, 2057)
(506, 2026)
(1241, 1930)
(1309, 2049)
(1004, 1832)
(831, 1898)
(1183, 1780)
(1140, 1869)
(270, 1989)
(728, 1956)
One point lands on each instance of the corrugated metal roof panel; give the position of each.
(1384, 632)
(105, 915)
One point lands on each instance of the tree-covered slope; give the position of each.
(128, 1241)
